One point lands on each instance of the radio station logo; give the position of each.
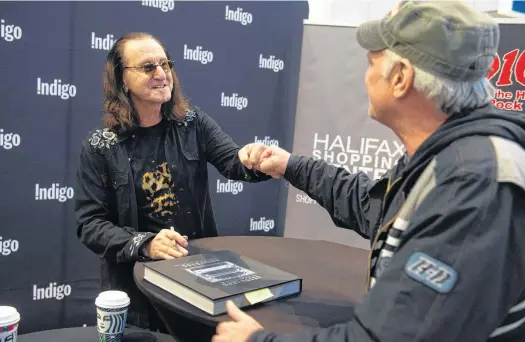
(102, 43)
(9, 140)
(267, 140)
(229, 187)
(10, 33)
(262, 224)
(271, 63)
(234, 101)
(163, 5)
(52, 291)
(198, 54)
(238, 15)
(8, 246)
(54, 193)
(509, 71)
(55, 88)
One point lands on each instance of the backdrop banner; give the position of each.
(332, 121)
(238, 61)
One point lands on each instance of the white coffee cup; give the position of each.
(112, 312)
(9, 319)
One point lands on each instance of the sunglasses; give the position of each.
(149, 68)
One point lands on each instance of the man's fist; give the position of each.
(271, 160)
(167, 244)
(250, 154)
(274, 161)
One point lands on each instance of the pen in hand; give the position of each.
(179, 246)
(184, 236)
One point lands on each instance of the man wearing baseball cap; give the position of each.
(447, 223)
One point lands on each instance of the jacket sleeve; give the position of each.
(222, 152)
(351, 199)
(94, 218)
(458, 270)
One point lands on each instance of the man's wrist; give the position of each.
(261, 335)
(144, 250)
(290, 165)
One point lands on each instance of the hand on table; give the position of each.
(239, 329)
(271, 160)
(167, 244)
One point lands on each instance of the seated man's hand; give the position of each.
(167, 244)
(249, 155)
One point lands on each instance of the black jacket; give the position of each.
(447, 234)
(106, 206)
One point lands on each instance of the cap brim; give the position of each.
(368, 36)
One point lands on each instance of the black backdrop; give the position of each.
(52, 56)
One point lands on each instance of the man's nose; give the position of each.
(159, 72)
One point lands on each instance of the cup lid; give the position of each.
(112, 299)
(8, 314)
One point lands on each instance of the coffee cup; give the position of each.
(9, 318)
(112, 312)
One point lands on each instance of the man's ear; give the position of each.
(402, 78)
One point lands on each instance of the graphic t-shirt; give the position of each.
(154, 187)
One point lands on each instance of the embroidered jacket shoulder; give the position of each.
(101, 140)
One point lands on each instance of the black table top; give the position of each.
(334, 281)
(90, 334)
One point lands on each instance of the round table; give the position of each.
(334, 277)
(90, 334)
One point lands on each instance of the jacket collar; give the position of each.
(123, 135)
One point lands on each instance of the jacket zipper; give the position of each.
(383, 227)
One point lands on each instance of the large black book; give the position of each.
(208, 280)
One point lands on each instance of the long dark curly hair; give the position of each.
(118, 108)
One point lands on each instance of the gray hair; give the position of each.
(451, 96)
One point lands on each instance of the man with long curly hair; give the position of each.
(142, 182)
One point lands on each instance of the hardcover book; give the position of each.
(208, 280)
